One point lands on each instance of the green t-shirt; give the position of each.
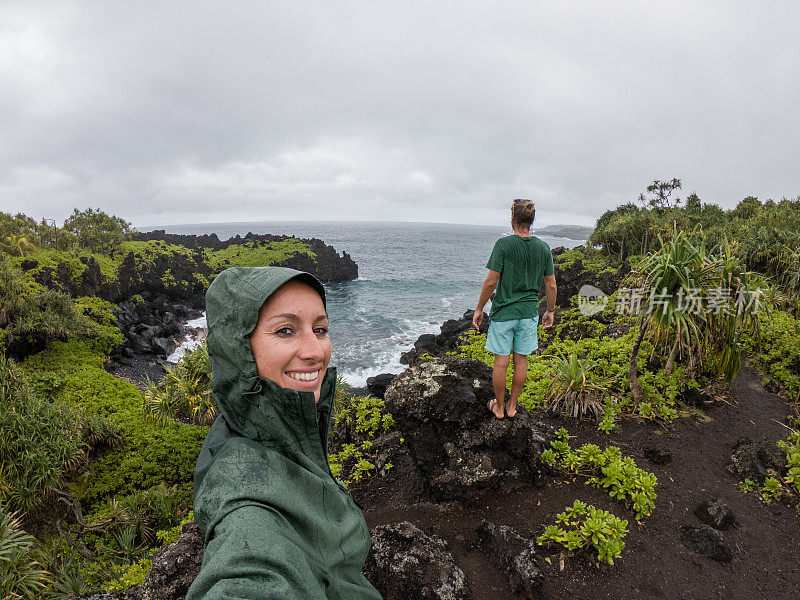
(522, 263)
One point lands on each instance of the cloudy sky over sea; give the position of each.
(186, 112)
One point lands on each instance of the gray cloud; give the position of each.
(230, 111)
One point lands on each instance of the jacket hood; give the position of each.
(233, 301)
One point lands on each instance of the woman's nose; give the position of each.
(311, 347)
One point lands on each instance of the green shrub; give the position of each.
(151, 454)
(607, 469)
(184, 391)
(792, 449)
(362, 419)
(775, 347)
(572, 392)
(40, 442)
(585, 526)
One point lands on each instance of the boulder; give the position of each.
(756, 460)
(715, 513)
(377, 385)
(174, 567)
(706, 541)
(163, 346)
(457, 445)
(575, 275)
(406, 563)
(516, 555)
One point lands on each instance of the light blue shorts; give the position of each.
(519, 335)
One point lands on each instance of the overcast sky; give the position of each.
(172, 112)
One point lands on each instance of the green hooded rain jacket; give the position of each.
(276, 523)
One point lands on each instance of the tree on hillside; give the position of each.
(660, 194)
(19, 224)
(97, 230)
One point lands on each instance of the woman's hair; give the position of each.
(523, 212)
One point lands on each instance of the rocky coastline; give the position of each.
(328, 265)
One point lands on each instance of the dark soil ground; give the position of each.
(654, 564)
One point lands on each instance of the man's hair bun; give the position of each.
(523, 212)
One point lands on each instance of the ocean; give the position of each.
(411, 278)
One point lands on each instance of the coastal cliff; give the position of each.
(326, 264)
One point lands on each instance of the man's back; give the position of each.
(522, 263)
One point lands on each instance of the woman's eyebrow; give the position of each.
(294, 317)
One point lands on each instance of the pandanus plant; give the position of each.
(572, 392)
(184, 391)
(682, 279)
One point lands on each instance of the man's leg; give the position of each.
(520, 372)
(499, 383)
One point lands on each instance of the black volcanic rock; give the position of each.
(446, 340)
(516, 555)
(377, 385)
(406, 563)
(570, 280)
(706, 541)
(757, 460)
(458, 447)
(715, 513)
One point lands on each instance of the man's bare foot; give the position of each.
(495, 409)
(511, 410)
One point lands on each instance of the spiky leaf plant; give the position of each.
(572, 393)
(184, 391)
(21, 576)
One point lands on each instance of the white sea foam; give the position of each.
(192, 341)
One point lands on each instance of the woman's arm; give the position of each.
(252, 555)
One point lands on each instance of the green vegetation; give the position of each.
(358, 420)
(570, 393)
(585, 526)
(184, 392)
(21, 574)
(98, 231)
(257, 254)
(606, 382)
(607, 469)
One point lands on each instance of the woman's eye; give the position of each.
(321, 331)
(284, 331)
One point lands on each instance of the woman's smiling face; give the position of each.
(290, 342)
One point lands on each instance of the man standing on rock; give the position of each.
(517, 266)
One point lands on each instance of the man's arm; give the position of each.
(550, 289)
(489, 284)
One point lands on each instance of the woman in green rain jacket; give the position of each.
(277, 525)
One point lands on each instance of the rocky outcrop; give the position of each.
(457, 446)
(175, 567)
(706, 541)
(328, 266)
(446, 340)
(572, 277)
(715, 513)
(756, 460)
(151, 325)
(378, 385)
(406, 563)
(516, 555)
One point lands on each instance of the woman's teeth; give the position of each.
(304, 376)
